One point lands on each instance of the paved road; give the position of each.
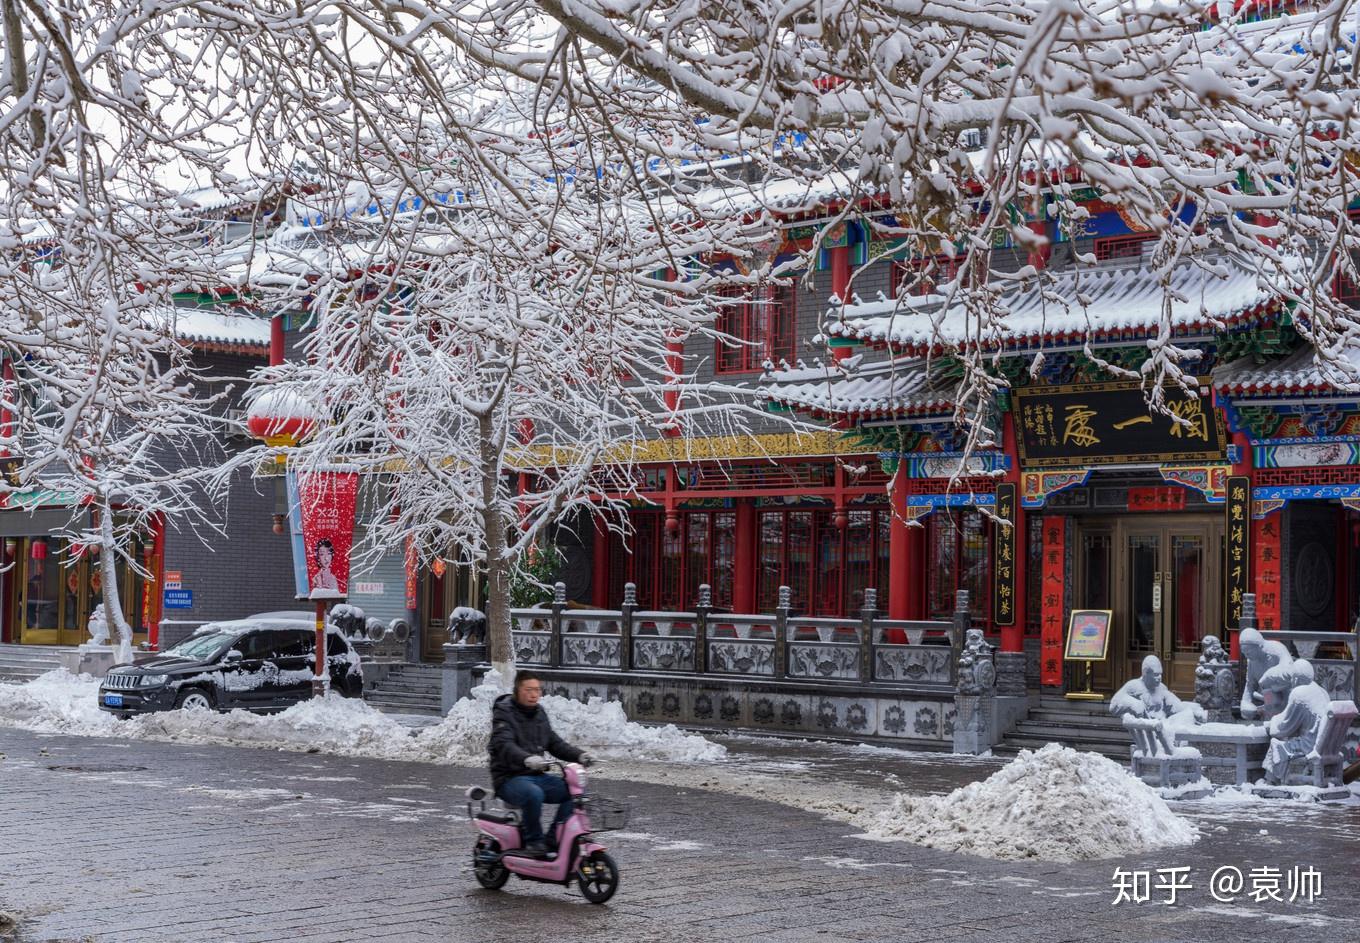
(168, 842)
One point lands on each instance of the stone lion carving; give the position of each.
(977, 673)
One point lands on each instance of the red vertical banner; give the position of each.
(1052, 599)
(412, 573)
(1265, 539)
(327, 505)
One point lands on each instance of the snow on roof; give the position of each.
(1066, 305)
(1305, 370)
(893, 387)
(209, 326)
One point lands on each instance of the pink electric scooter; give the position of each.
(498, 852)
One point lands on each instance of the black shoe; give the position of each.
(536, 849)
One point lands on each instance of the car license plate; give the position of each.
(113, 700)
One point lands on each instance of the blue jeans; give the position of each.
(528, 793)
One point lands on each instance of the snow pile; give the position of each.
(1055, 804)
(59, 702)
(600, 727)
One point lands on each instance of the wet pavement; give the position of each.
(108, 840)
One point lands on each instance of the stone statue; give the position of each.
(1215, 683)
(467, 626)
(1148, 697)
(1269, 677)
(977, 673)
(1294, 732)
(98, 627)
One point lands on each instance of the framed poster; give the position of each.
(1088, 635)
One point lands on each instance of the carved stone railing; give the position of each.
(862, 650)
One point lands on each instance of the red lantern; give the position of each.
(280, 417)
(38, 550)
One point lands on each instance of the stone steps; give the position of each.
(22, 663)
(392, 703)
(1081, 725)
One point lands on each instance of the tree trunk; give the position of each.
(497, 568)
(113, 605)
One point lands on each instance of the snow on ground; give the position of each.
(61, 703)
(1055, 804)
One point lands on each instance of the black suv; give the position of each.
(261, 663)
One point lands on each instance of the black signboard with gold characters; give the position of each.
(1237, 508)
(1110, 424)
(1003, 591)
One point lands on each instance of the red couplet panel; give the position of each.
(1051, 608)
(1265, 540)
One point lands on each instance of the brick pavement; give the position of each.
(235, 844)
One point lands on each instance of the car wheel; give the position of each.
(194, 699)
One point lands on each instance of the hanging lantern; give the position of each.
(38, 551)
(281, 418)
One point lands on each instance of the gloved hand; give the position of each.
(586, 759)
(535, 764)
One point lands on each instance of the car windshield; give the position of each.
(203, 645)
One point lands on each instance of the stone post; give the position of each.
(555, 625)
(974, 695)
(781, 632)
(866, 636)
(701, 611)
(963, 621)
(459, 661)
(1247, 621)
(626, 611)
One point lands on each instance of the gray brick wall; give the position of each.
(248, 568)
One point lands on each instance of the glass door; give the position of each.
(1168, 599)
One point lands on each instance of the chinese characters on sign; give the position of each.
(1266, 539)
(1003, 601)
(1237, 580)
(327, 504)
(1109, 423)
(1156, 498)
(1052, 594)
(1226, 885)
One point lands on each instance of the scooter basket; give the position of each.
(606, 815)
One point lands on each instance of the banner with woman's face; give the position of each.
(324, 510)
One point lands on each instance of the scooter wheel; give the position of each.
(598, 876)
(490, 876)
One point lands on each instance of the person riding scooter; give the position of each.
(520, 733)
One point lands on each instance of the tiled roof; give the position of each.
(1069, 307)
(1303, 371)
(206, 326)
(896, 388)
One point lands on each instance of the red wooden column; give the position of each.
(599, 568)
(675, 365)
(1013, 636)
(840, 287)
(901, 558)
(276, 340)
(744, 566)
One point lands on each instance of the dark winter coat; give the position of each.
(518, 732)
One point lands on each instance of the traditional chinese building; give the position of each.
(1163, 518)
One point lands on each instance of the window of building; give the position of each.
(761, 322)
(826, 568)
(1122, 247)
(958, 556)
(1346, 287)
(918, 277)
